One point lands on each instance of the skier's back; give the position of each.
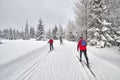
(82, 47)
(51, 44)
(61, 41)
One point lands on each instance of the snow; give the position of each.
(109, 37)
(35, 63)
(96, 34)
(91, 29)
(97, 29)
(93, 41)
(14, 49)
(118, 41)
(105, 29)
(103, 37)
(106, 23)
(100, 44)
(118, 32)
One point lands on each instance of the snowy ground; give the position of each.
(13, 49)
(111, 54)
(30, 60)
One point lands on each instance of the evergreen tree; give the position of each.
(54, 32)
(6, 32)
(10, 34)
(14, 34)
(0, 37)
(18, 35)
(70, 31)
(26, 34)
(32, 32)
(40, 30)
(49, 33)
(100, 31)
(1, 34)
(60, 31)
(82, 16)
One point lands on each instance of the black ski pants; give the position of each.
(51, 47)
(85, 54)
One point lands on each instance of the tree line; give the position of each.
(32, 33)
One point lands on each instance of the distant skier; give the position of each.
(51, 44)
(61, 41)
(82, 47)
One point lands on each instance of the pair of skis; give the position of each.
(91, 71)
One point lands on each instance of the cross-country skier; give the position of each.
(82, 47)
(61, 41)
(51, 44)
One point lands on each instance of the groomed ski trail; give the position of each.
(59, 64)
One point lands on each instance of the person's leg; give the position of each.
(50, 47)
(85, 54)
(80, 55)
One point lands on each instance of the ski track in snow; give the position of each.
(48, 66)
(59, 64)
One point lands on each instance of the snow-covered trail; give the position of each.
(8, 70)
(60, 64)
(103, 68)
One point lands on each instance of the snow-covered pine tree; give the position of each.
(49, 33)
(0, 41)
(14, 34)
(60, 31)
(54, 32)
(40, 30)
(114, 17)
(26, 33)
(82, 11)
(32, 32)
(70, 31)
(1, 36)
(10, 34)
(96, 21)
(18, 35)
(113, 11)
(5, 31)
(99, 32)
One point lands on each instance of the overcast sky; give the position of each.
(14, 13)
